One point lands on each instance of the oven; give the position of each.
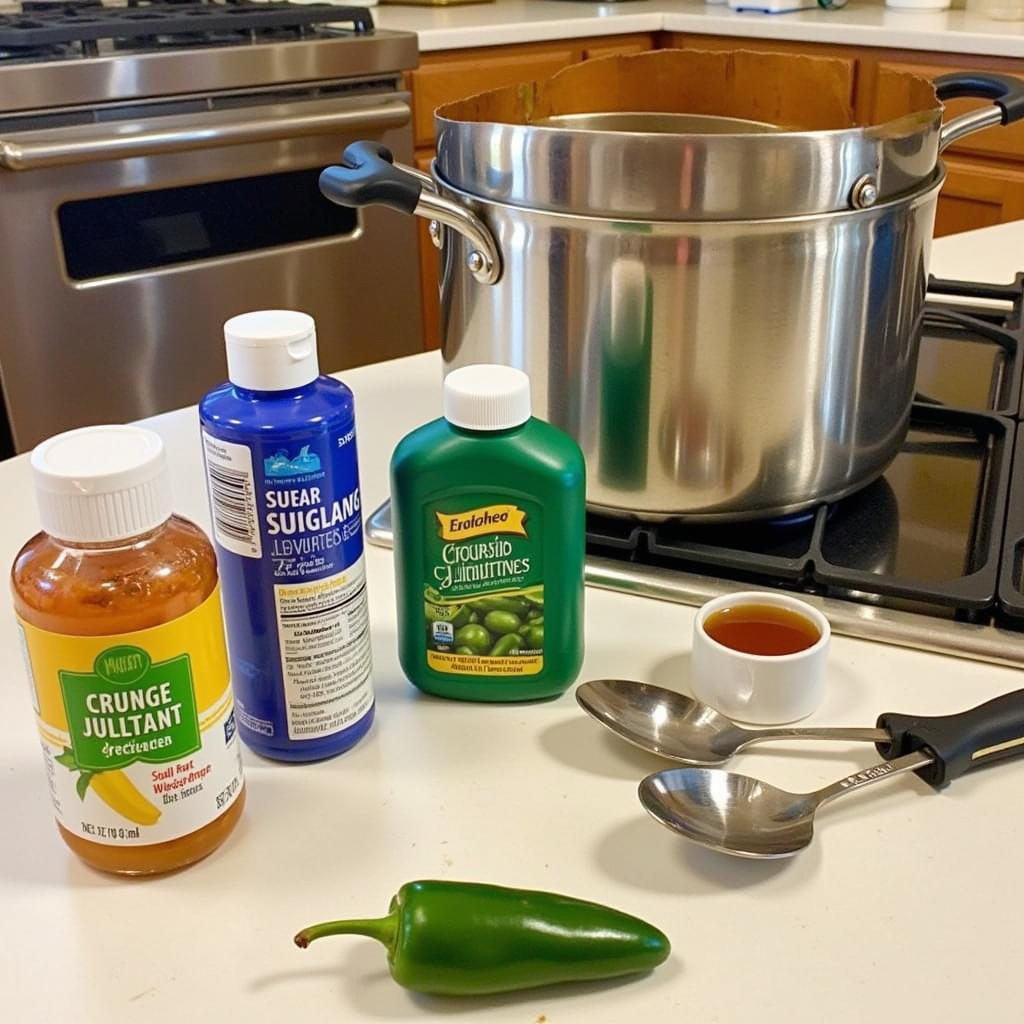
(133, 229)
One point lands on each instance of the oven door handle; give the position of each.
(89, 144)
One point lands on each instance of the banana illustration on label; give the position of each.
(115, 789)
(120, 794)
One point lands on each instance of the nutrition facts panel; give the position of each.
(324, 634)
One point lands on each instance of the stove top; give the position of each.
(45, 30)
(81, 54)
(67, 30)
(931, 555)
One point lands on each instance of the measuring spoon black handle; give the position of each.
(993, 731)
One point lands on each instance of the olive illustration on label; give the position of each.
(488, 625)
(475, 637)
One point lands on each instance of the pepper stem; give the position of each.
(383, 929)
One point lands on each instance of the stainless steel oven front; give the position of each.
(129, 239)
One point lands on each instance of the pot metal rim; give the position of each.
(569, 125)
(906, 126)
(911, 198)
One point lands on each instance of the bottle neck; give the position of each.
(113, 545)
(504, 432)
(253, 395)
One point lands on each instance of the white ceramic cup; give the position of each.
(761, 689)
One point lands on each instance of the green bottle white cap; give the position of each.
(486, 396)
(271, 350)
(102, 484)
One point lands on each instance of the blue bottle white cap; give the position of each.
(271, 350)
(486, 396)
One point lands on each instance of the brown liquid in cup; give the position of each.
(762, 629)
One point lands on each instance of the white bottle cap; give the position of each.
(102, 484)
(486, 397)
(271, 350)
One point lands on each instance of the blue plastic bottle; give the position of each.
(279, 444)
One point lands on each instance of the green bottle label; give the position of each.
(130, 709)
(483, 594)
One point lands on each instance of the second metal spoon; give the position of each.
(682, 729)
(747, 817)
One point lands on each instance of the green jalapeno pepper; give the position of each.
(464, 938)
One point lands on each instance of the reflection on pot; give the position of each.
(625, 370)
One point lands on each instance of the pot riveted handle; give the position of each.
(366, 176)
(990, 732)
(1005, 91)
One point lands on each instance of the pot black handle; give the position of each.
(1005, 91)
(367, 176)
(991, 732)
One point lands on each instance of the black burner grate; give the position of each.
(1011, 574)
(929, 534)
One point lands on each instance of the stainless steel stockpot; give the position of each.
(731, 368)
(713, 369)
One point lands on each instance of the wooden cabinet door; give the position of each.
(889, 101)
(845, 58)
(446, 79)
(978, 195)
(616, 45)
(430, 270)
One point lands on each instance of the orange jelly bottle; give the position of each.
(119, 606)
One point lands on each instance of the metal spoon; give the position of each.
(750, 818)
(683, 729)
(747, 817)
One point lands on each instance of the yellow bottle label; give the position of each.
(138, 729)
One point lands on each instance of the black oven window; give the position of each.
(144, 230)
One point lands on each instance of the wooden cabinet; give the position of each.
(978, 194)
(616, 45)
(685, 41)
(430, 271)
(985, 183)
(439, 81)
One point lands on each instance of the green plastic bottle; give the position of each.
(488, 507)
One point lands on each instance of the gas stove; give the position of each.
(223, 43)
(931, 555)
(68, 29)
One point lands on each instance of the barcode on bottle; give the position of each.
(232, 496)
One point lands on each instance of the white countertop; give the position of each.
(907, 907)
(861, 23)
